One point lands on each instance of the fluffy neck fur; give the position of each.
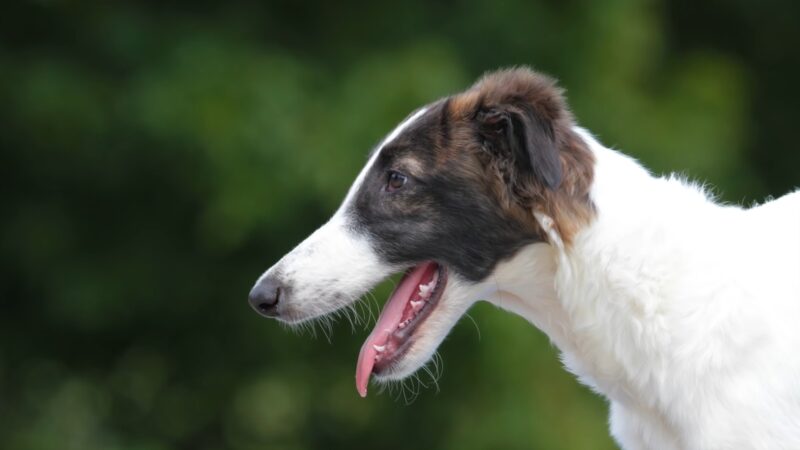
(639, 314)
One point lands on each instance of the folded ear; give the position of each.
(517, 132)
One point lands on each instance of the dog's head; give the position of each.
(449, 195)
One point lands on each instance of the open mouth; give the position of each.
(409, 305)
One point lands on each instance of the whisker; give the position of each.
(432, 376)
(474, 322)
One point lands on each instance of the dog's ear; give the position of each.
(516, 131)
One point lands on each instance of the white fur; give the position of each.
(685, 314)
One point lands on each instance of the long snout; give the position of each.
(329, 270)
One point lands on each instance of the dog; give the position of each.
(682, 312)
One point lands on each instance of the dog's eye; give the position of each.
(395, 181)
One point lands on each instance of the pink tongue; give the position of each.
(387, 323)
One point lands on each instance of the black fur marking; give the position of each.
(441, 214)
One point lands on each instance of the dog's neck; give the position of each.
(598, 298)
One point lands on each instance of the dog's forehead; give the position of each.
(376, 152)
(426, 142)
(412, 143)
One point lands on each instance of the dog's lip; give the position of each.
(392, 336)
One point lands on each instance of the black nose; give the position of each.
(265, 295)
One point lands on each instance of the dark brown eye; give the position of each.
(396, 181)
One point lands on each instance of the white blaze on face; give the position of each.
(336, 264)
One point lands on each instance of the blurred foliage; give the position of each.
(156, 157)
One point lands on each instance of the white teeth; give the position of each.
(379, 348)
(416, 305)
(424, 290)
(402, 325)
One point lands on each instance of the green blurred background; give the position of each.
(156, 157)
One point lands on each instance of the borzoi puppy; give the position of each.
(683, 313)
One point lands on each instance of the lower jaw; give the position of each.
(385, 368)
